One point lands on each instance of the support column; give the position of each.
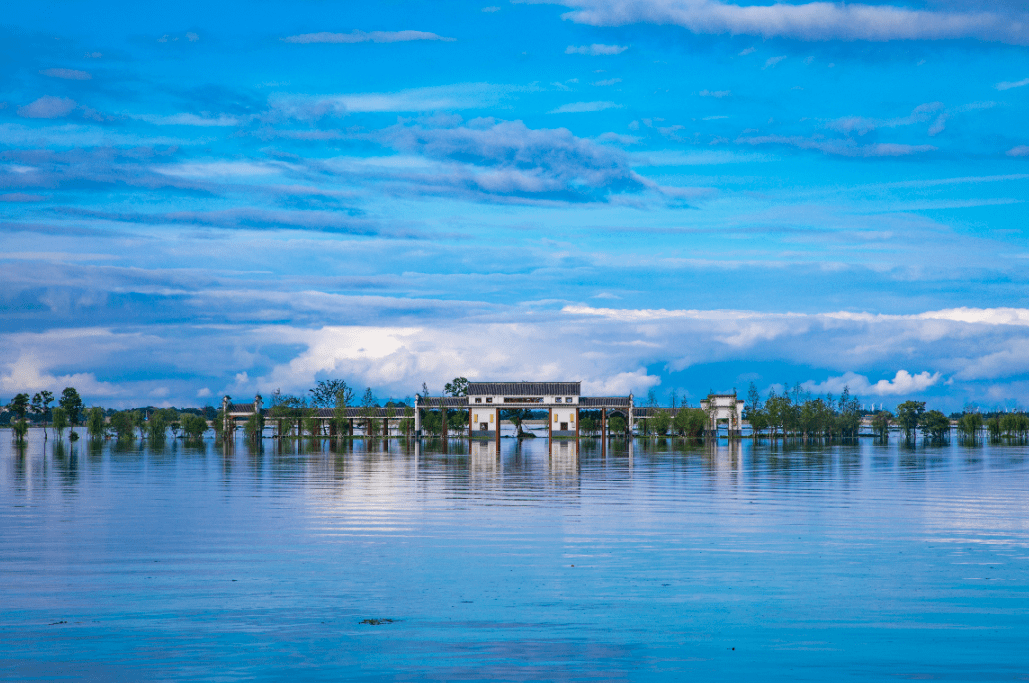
(632, 407)
(577, 425)
(469, 423)
(497, 411)
(417, 417)
(443, 416)
(603, 423)
(550, 424)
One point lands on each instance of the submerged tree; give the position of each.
(935, 425)
(60, 418)
(970, 426)
(19, 405)
(909, 414)
(662, 422)
(41, 406)
(71, 402)
(881, 424)
(124, 424)
(193, 426)
(95, 424)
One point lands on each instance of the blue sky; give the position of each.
(208, 198)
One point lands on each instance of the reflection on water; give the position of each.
(531, 560)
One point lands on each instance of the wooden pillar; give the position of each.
(469, 423)
(603, 423)
(497, 411)
(576, 424)
(443, 416)
(550, 423)
(385, 426)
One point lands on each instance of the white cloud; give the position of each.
(191, 120)
(491, 8)
(861, 125)
(1019, 151)
(435, 98)
(608, 81)
(356, 36)
(579, 107)
(715, 93)
(846, 147)
(1008, 85)
(67, 74)
(814, 21)
(772, 61)
(47, 107)
(902, 384)
(595, 50)
(204, 393)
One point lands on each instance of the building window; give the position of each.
(568, 400)
(557, 400)
(489, 400)
(478, 400)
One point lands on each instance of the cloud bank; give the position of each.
(813, 21)
(357, 36)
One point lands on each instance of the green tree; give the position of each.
(288, 411)
(41, 406)
(881, 424)
(909, 414)
(328, 393)
(339, 413)
(369, 408)
(95, 425)
(20, 428)
(312, 425)
(156, 427)
(935, 426)
(124, 424)
(517, 417)
(193, 425)
(993, 427)
(662, 422)
(19, 405)
(254, 426)
(72, 404)
(218, 423)
(690, 422)
(970, 425)
(753, 403)
(459, 387)
(60, 418)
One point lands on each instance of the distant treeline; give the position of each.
(792, 413)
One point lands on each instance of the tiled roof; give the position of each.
(523, 388)
(604, 402)
(448, 401)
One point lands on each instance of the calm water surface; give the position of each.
(655, 561)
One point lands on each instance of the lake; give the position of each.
(649, 561)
